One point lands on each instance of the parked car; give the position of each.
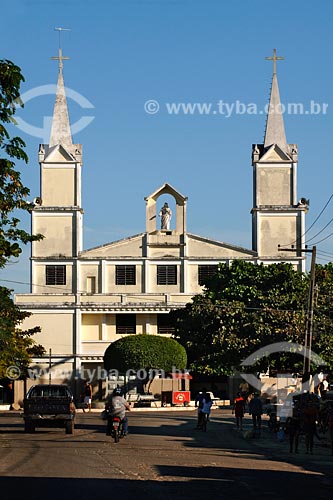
(49, 405)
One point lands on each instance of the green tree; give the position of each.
(13, 194)
(323, 313)
(243, 308)
(145, 351)
(16, 346)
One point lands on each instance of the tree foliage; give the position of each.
(16, 346)
(323, 313)
(145, 351)
(243, 308)
(13, 194)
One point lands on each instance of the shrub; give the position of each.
(145, 351)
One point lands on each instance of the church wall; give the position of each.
(160, 252)
(102, 327)
(192, 278)
(276, 231)
(274, 185)
(57, 330)
(100, 299)
(40, 298)
(58, 235)
(89, 274)
(164, 238)
(91, 327)
(58, 186)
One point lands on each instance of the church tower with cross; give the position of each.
(57, 213)
(278, 216)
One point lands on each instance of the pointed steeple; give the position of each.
(60, 130)
(275, 133)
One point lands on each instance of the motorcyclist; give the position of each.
(116, 406)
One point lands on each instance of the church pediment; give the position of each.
(201, 247)
(128, 247)
(58, 154)
(167, 189)
(274, 154)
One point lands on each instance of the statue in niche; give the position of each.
(165, 214)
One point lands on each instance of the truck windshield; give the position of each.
(49, 392)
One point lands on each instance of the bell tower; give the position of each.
(57, 213)
(278, 218)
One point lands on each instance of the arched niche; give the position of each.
(153, 224)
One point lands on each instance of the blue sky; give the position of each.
(126, 52)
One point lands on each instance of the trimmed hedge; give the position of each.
(145, 351)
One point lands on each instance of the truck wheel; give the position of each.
(29, 426)
(70, 427)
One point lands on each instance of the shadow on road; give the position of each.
(219, 482)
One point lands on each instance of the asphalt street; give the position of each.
(163, 457)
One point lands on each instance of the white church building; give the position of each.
(84, 299)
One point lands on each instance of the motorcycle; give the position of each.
(116, 428)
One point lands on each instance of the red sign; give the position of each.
(181, 397)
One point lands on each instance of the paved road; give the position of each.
(163, 457)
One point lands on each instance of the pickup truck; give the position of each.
(49, 405)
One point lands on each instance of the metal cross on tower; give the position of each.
(274, 58)
(60, 57)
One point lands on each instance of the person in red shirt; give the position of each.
(238, 409)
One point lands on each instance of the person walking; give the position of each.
(256, 410)
(87, 396)
(244, 390)
(310, 417)
(205, 412)
(238, 409)
(199, 404)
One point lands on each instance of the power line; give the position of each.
(323, 239)
(298, 240)
(329, 254)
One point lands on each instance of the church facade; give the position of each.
(84, 299)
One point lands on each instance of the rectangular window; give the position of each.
(125, 323)
(167, 275)
(164, 325)
(125, 275)
(56, 275)
(205, 273)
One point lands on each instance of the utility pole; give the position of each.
(309, 323)
(309, 320)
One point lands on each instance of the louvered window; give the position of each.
(125, 275)
(125, 323)
(164, 325)
(167, 275)
(56, 275)
(205, 273)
